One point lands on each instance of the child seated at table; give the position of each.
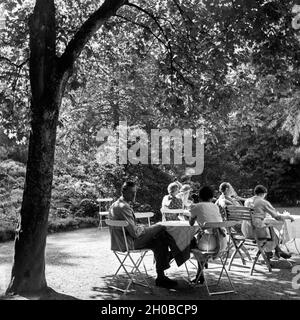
(262, 206)
(171, 201)
(207, 211)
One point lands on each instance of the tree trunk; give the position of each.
(48, 77)
(28, 273)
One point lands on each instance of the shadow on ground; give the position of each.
(49, 294)
(136, 292)
(261, 286)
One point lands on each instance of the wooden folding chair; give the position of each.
(144, 215)
(240, 214)
(103, 202)
(203, 257)
(129, 256)
(148, 216)
(237, 239)
(181, 213)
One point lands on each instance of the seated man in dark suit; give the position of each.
(140, 237)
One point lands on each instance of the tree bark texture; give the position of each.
(48, 77)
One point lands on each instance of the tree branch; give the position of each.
(8, 60)
(19, 66)
(145, 27)
(151, 16)
(168, 44)
(86, 31)
(182, 12)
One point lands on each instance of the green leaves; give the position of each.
(232, 66)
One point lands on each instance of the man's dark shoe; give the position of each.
(165, 282)
(269, 255)
(282, 254)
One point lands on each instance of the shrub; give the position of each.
(62, 213)
(13, 168)
(87, 208)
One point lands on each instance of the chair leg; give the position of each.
(202, 263)
(187, 268)
(246, 252)
(100, 223)
(137, 263)
(137, 270)
(254, 262)
(130, 274)
(187, 271)
(228, 277)
(121, 263)
(223, 264)
(239, 246)
(263, 253)
(231, 259)
(237, 250)
(267, 261)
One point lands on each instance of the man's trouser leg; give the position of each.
(156, 239)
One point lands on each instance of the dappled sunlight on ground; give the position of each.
(81, 265)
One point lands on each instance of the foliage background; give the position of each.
(231, 67)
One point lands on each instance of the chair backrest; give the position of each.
(104, 203)
(238, 213)
(174, 211)
(119, 224)
(105, 200)
(223, 224)
(143, 215)
(216, 228)
(222, 211)
(116, 223)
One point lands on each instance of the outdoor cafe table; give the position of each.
(292, 229)
(182, 233)
(289, 231)
(291, 235)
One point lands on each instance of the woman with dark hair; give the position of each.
(207, 211)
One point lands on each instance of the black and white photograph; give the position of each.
(149, 151)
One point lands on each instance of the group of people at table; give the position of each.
(202, 208)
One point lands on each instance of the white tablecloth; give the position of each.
(292, 229)
(181, 231)
(289, 230)
(291, 235)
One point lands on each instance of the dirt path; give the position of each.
(80, 264)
